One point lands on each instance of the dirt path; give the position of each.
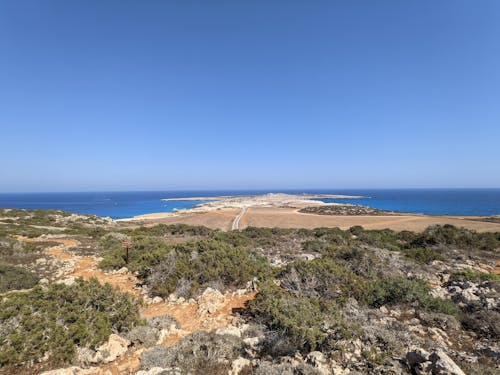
(191, 321)
(186, 313)
(237, 219)
(86, 267)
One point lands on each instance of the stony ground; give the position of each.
(210, 312)
(215, 331)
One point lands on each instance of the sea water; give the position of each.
(127, 204)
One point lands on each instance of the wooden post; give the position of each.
(126, 245)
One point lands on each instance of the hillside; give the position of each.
(256, 301)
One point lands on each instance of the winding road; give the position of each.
(237, 219)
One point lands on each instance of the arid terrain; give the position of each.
(284, 211)
(269, 300)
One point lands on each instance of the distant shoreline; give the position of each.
(125, 205)
(307, 196)
(303, 211)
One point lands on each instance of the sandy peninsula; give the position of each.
(283, 210)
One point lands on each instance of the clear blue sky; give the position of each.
(127, 95)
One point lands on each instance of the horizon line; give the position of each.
(269, 190)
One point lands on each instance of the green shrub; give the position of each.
(199, 264)
(423, 255)
(335, 236)
(86, 230)
(317, 246)
(400, 290)
(449, 235)
(145, 253)
(325, 278)
(308, 323)
(55, 320)
(473, 275)
(172, 229)
(16, 278)
(361, 261)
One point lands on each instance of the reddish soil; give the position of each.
(185, 313)
(189, 319)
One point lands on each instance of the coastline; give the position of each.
(282, 210)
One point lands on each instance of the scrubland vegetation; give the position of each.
(323, 290)
(49, 323)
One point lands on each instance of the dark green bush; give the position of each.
(16, 278)
(423, 255)
(304, 323)
(449, 235)
(145, 253)
(55, 320)
(172, 229)
(323, 278)
(473, 275)
(400, 290)
(383, 239)
(203, 263)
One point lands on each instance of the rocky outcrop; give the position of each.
(210, 301)
(435, 363)
(238, 365)
(74, 370)
(115, 347)
(318, 361)
(467, 293)
(155, 371)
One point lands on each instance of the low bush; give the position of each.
(146, 252)
(143, 335)
(362, 262)
(172, 229)
(423, 255)
(323, 278)
(298, 322)
(383, 239)
(269, 368)
(16, 278)
(485, 323)
(91, 231)
(193, 266)
(163, 322)
(400, 290)
(199, 353)
(449, 235)
(473, 275)
(54, 321)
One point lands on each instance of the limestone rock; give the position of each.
(74, 370)
(70, 280)
(157, 299)
(318, 361)
(230, 330)
(416, 355)
(210, 301)
(87, 356)
(253, 342)
(153, 371)
(122, 271)
(114, 348)
(436, 363)
(444, 365)
(238, 364)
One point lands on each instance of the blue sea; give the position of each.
(127, 204)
